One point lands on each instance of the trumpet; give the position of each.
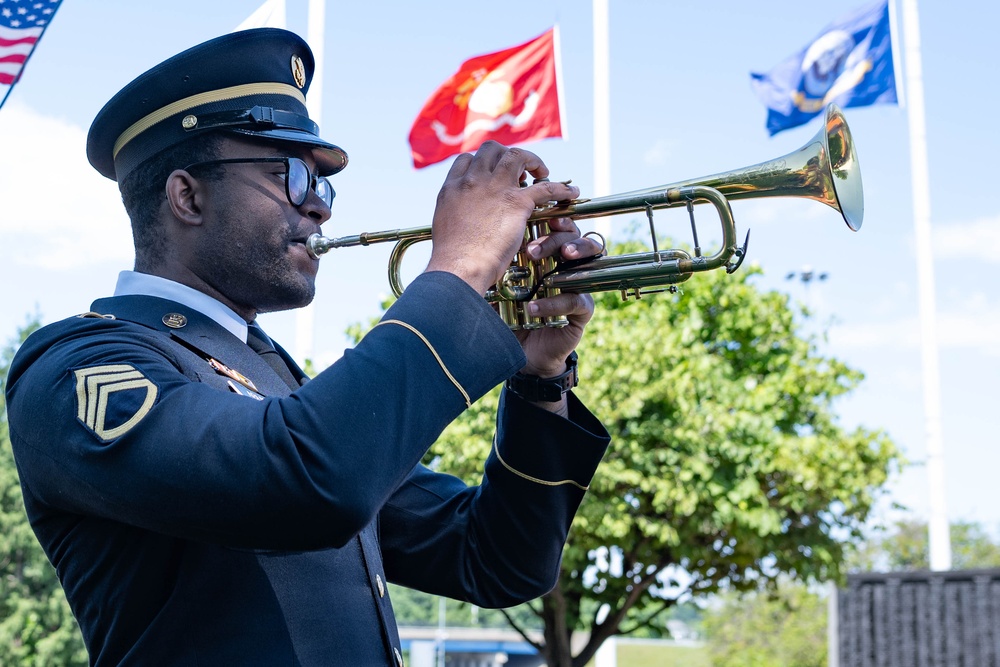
(825, 169)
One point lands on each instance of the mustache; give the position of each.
(300, 234)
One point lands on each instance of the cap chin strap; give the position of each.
(257, 118)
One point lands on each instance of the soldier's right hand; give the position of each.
(482, 211)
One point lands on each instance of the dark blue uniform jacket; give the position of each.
(199, 520)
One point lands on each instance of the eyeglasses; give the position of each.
(298, 179)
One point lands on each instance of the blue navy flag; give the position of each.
(849, 64)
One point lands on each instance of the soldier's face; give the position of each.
(253, 249)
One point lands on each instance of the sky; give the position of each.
(681, 107)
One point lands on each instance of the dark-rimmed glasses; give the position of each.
(298, 179)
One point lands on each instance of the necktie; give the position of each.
(262, 345)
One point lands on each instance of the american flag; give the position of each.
(22, 23)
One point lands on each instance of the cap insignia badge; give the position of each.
(298, 71)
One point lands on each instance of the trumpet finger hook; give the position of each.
(741, 254)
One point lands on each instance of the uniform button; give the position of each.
(381, 586)
(399, 658)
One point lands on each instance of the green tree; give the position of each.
(416, 608)
(36, 626)
(728, 467)
(904, 548)
(781, 627)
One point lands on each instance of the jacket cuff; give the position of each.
(545, 448)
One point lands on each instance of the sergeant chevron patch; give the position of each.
(112, 399)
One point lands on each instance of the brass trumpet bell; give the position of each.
(825, 170)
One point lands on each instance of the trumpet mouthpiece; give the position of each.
(317, 245)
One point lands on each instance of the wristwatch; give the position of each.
(534, 388)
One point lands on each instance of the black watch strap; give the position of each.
(534, 388)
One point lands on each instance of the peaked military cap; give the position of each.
(251, 83)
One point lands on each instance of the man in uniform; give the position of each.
(202, 503)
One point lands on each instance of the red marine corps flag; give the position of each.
(511, 96)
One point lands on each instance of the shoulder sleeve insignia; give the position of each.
(111, 400)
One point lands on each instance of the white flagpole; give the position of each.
(315, 36)
(602, 111)
(939, 532)
(305, 318)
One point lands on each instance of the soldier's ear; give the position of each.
(184, 195)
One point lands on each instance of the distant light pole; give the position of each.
(806, 275)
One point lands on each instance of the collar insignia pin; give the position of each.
(175, 320)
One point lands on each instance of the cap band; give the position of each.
(257, 117)
(208, 97)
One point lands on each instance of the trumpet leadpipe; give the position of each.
(317, 244)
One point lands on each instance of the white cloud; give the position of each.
(658, 153)
(56, 211)
(902, 333)
(976, 240)
(971, 324)
(784, 213)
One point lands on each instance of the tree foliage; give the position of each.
(727, 468)
(36, 626)
(784, 626)
(416, 608)
(904, 547)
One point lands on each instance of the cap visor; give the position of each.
(329, 158)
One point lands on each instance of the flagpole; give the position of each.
(11, 86)
(305, 318)
(938, 529)
(602, 110)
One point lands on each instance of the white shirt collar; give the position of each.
(132, 283)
